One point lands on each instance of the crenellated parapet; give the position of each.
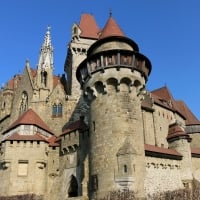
(119, 53)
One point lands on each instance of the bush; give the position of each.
(22, 197)
(181, 194)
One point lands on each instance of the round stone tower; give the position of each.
(113, 78)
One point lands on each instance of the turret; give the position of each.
(113, 78)
(45, 66)
(83, 35)
(180, 141)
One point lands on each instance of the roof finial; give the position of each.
(110, 13)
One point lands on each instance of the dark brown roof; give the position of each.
(151, 150)
(111, 29)
(77, 125)
(88, 26)
(190, 117)
(30, 118)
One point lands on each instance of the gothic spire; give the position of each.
(46, 52)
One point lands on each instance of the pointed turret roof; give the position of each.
(111, 29)
(88, 26)
(30, 118)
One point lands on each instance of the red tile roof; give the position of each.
(88, 26)
(18, 137)
(52, 141)
(195, 151)
(77, 125)
(175, 131)
(35, 137)
(161, 150)
(111, 29)
(30, 118)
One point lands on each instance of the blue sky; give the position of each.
(167, 32)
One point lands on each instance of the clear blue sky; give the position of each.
(167, 32)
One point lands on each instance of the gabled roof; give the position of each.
(111, 29)
(163, 97)
(77, 125)
(88, 26)
(190, 117)
(30, 118)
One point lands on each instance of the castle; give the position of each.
(95, 129)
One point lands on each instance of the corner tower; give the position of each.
(113, 78)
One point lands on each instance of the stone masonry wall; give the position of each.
(162, 175)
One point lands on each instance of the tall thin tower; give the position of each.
(113, 78)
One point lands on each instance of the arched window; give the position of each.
(44, 77)
(24, 102)
(57, 110)
(73, 187)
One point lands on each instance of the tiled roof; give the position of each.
(190, 117)
(195, 152)
(88, 26)
(35, 137)
(14, 82)
(176, 131)
(18, 137)
(151, 150)
(77, 125)
(30, 118)
(111, 29)
(52, 142)
(163, 97)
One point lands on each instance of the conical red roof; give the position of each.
(88, 26)
(111, 29)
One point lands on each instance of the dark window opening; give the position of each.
(44, 78)
(73, 188)
(125, 169)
